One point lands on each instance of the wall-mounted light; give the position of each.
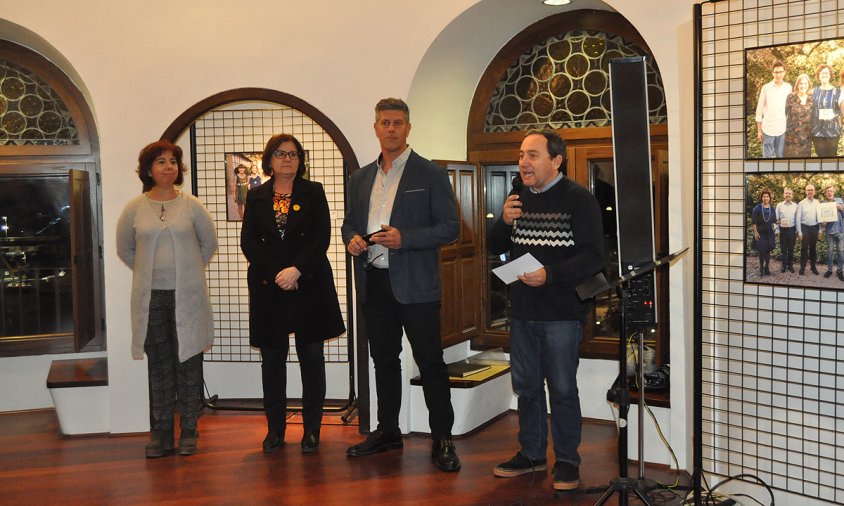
(556, 2)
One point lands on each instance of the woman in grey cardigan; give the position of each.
(167, 238)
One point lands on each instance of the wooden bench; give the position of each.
(81, 372)
(477, 400)
(79, 388)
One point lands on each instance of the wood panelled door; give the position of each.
(461, 263)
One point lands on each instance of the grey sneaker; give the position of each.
(519, 465)
(566, 476)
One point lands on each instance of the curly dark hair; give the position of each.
(149, 154)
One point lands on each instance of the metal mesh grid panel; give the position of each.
(773, 356)
(244, 131)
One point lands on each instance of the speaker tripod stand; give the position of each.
(637, 302)
(623, 484)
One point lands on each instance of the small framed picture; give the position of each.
(243, 172)
(827, 211)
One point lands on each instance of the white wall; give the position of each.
(142, 63)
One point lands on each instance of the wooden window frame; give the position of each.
(89, 332)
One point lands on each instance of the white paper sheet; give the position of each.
(525, 263)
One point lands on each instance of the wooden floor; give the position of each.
(39, 467)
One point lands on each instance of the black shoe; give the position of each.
(767, 271)
(566, 476)
(273, 441)
(841, 276)
(519, 465)
(310, 441)
(790, 268)
(160, 443)
(815, 270)
(187, 442)
(802, 271)
(782, 269)
(827, 274)
(378, 441)
(445, 456)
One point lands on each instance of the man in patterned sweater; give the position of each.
(559, 223)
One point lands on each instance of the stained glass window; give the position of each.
(563, 82)
(31, 112)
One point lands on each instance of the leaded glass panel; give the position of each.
(563, 82)
(31, 112)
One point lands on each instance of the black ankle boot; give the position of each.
(310, 441)
(273, 441)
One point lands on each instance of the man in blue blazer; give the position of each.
(400, 210)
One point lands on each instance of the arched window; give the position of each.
(563, 82)
(50, 237)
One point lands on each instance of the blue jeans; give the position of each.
(834, 244)
(772, 146)
(540, 351)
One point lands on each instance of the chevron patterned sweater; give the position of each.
(562, 228)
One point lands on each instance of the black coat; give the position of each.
(312, 311)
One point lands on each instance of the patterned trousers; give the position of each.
(170, 379)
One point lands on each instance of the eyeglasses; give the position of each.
(293, 155)
(368, 265)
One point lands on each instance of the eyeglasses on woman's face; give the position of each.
(281, 154)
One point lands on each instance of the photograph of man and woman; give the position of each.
(795, 229)
(793, 100)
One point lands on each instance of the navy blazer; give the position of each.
(312, 311)
(424, 211)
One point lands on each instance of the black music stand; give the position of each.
(619, 393)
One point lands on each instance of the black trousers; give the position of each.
(825, 146)
(809, 245)
(385, 318)
(788, 237)
(274, 380)
(170, 379)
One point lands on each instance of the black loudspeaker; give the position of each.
(632, 159)
(633, 186)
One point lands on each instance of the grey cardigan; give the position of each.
(195, 241)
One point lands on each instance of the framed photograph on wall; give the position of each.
(794, 226)
(243, 172)
(793, 100)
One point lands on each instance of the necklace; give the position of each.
(765, 217)
(162, 215)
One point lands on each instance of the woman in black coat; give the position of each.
(285, 236)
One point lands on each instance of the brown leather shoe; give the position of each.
(187, 442)
(160, 443)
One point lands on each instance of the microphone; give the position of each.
(517, 185)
